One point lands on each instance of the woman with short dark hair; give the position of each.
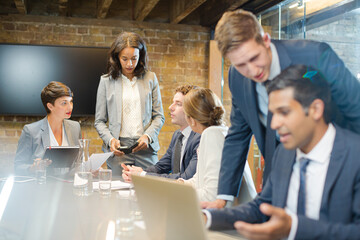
(54, 130)
(129, 100)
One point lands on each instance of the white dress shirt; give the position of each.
(262, 95)
(131, 120)
(54, 142)
(315, 179)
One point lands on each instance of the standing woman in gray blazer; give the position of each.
(53, 130)
(129, 100)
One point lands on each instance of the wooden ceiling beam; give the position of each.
(214, 11)
(143, 8)
(103, 9)
(63, 7)
(21, 6)
(180, 9)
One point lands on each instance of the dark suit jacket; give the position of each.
(164, 166)
(340, 205)
(244, 116)
(35, 139)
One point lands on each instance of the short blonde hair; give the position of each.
(235, 28)
(204, 106)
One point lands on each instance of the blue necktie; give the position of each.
(302, 189)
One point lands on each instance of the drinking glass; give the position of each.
(105, 182)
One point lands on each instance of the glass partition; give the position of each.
(335, 22)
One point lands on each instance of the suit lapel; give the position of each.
(282, 176)
(69, 134)
(45, 136)
(118, 97)
(337, 160)
(141, 87)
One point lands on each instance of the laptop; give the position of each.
(171, 210)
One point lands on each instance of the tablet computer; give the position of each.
(61, 157)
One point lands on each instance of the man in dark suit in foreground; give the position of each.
(175, 163)
(255, 58)
(313, 190)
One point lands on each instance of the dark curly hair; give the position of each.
(126, 39)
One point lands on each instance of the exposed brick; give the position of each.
(21, 27)
(161, 49)
(8, 26)
(83, 30)
(149, 33)
(9, 118)
(10, 133)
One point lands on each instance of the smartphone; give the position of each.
(126, 149)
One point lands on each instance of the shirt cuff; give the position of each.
(225, 197)
(294, 224)
(143, 173)
(150, 140)
(208, 218)
(110, 141)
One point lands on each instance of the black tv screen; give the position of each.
(26, 69)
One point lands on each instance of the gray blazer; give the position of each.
(35, 139)
(109, 105)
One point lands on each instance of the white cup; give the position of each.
(105, 176)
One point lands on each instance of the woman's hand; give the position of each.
(143, 143)
(114, 146)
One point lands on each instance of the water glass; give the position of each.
(83, 185)
(124, 223)
(40, 170)
(105, 182)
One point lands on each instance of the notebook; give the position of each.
(171, 210)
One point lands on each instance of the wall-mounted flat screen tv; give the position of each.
(26, 69)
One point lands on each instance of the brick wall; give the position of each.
(178, 54)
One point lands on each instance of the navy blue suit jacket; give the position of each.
(164, 166)
(339, 216)
(345, 89)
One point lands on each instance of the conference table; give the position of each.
(52, 211)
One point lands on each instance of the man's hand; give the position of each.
(277, 227)
(218, 203)
(114, 145)
(143, 143)
(130, 170)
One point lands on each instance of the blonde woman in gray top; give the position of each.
(128, 106)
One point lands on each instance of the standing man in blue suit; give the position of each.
(255, 59)
(165, 167)
(313, 191)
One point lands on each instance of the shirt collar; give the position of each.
(275, 63)
(186, 132)
(125, 78)
(322, 150)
